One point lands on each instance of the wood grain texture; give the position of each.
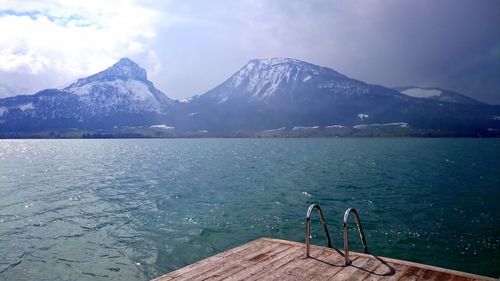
(274, 259)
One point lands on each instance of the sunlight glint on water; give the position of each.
(136, 209)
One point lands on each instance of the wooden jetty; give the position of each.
(273, 259)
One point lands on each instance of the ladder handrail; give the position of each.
(308, 227)
(346, 238)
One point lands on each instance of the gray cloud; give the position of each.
(452, 44)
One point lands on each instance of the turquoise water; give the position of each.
(136, 209)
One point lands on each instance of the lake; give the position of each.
(134, 209)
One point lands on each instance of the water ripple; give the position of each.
(135, 209)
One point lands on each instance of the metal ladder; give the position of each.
(346, 234)
(325, 230)
(308, 227)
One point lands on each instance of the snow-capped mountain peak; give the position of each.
(286, 66)
(263, 95)
(275, 61)
(124, 69)
(261, 79)
(123, 86)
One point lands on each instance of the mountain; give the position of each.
(286, 93)
(123, 87)
(266, 97)
(272, 93)
(119, 95)
(267, 80)
(437, 94)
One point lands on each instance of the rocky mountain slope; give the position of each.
(119, 95)
(266, 95)
(287, 93)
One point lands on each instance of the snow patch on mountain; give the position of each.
(23, 107)
(304, 128)
(421, 93)
(26, 106)
(438, 94)
(223, 99)
(187, 100)
(138, 90)
(274, 130)
(395, 124)
(362, 116)
(275, 61)
(162, 126)
(264, 83)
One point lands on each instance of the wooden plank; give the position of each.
(328, 266)
(427, 275)
(412, 273)
(430, 275)
(202, 264)
(387, 272)
(403, 262)
(224, 264)
(442, 276)
(244, 263)
(219, 256)
(426, 266)
(305, 269)
(276, 265)
(297, 261)
(266, 265)
(365, 270)
(274, 259)
(468, 276)
(347, 271)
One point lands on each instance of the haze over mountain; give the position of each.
(266, 94)
(7, 90)
(437, 94)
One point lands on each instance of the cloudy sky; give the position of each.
(188, 47)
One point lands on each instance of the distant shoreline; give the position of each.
(396, 130)
(35, 137)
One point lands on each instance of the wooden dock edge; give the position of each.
(419, 265)
(233, 265)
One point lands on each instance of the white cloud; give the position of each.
(72, 38)
(188, 47)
